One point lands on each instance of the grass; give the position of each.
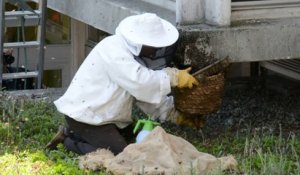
(24, 131)
(259, 155)
(26, 127)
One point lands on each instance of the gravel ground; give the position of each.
(273, 107)
(270, 106)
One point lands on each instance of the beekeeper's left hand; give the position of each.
(175, 116)
(192, 121)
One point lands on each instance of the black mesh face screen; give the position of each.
(166, 52)
(163, 58)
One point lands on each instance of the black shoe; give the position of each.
(57, 139)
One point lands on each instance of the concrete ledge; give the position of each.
(106, 14)
(245, 41)
(50, 94)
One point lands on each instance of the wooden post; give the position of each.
(78, 40)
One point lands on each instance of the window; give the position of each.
(15, 34)
(52, 78)
(264, 9)
(57, 28)
(95, 36)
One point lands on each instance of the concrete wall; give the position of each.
(245, 41)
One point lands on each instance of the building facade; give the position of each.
(251, 33)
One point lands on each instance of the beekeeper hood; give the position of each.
(147, 29)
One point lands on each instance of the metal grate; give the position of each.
(290, 68)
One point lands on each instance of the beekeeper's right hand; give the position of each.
(181, 78)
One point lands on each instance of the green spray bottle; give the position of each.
(147, 128)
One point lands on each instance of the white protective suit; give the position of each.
(103, 89)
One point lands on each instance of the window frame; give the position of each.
(268, 9)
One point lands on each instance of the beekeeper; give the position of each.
(98, 103)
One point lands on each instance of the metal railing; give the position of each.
(22, 18)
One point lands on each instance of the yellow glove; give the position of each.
(189, 120)
(185, 79)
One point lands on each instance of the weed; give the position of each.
(24, 131)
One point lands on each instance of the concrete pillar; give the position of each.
(218, 12)
(189, 11)
(78, 40)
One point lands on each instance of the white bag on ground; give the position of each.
(158, 153)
